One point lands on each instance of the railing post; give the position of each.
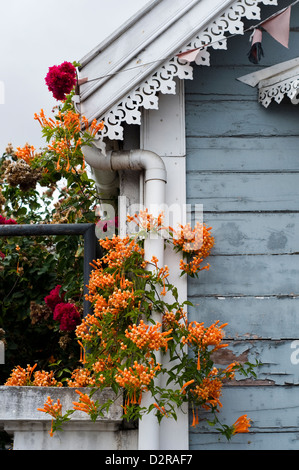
(89, 256)
(87, 230)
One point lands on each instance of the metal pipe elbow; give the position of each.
(150, 162)
(138, 159)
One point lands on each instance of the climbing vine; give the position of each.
(120, 344)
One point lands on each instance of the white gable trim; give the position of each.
(168, 27)
(276, 82)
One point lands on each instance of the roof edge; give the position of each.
(117, 33)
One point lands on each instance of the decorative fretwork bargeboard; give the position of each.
(163, 80)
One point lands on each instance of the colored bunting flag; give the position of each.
(189, 56)
(279, 27)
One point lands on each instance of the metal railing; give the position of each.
(87, 230)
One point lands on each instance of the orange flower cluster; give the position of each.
(241, 425)
(136, 379)
(207, 394)
(229, 371)
(82, 330)
(146, 221)
(53, 409)
(45, 379)
(94, 127)
(69, 121)
(194, 266)
(197, 239)
(63, 148)
(196, 243)
(149, 337)
(25, 377)
(203, 337)
(85, 403)
(26, 153)
(209, 391)
(102, 365)
(120, 300)
(45, 122)
(20, 376)
(117, 302)
(67, 126)
(174, 319)
(119, 250)
(110, 293)
(81, 377)
(99, 279)
(100, 308)
(112, 296)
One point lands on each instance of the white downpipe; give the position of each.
(155, 178)
(149, 428)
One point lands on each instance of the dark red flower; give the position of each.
(61, 79)
(58, 311)
(67, 315)
(5, 221)
(54, 298)
(10, 222)
(2, 255)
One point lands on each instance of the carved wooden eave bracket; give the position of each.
(129, 70)
(276, 82)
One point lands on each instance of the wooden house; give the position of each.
(228, 156)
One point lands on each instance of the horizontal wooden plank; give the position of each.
(238, 118)
(249, 317)
(279, 359)
(221, 77)
(243, 192)
(274, 413)
(242, 154)
(242, 275)
(216, 81)
(252, 233)
(251, 400)
(271, 441)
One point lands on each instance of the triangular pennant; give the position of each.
(82, 80)
(189, 56)
(279, 27)
(256, 36)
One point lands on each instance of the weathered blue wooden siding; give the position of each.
(243, 166)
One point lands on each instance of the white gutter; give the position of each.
(155, 177)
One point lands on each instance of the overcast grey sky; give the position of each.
(36, 34)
